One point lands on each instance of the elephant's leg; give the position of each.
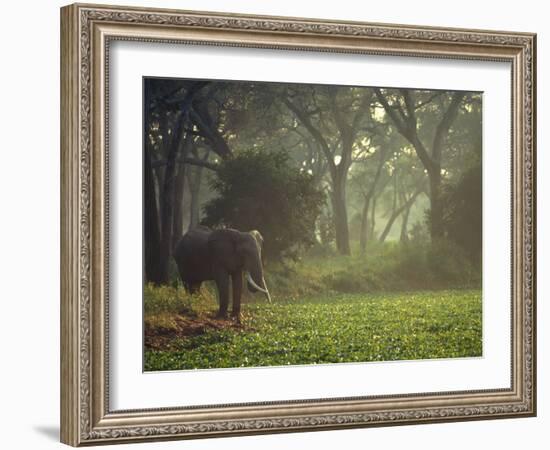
(237, 283)
(194, 287)
(184, 280)
(187, 287)
(222, 283)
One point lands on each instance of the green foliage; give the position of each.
(261, 190)
(463, 213)
(328, 308)
(449, 263)
(385, 267)
(174, 300)
(390, 267)
(163, 304)
(336, 329)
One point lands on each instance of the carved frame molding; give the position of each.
(86, 32)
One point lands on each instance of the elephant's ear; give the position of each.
(223, 240)
(227, 235)
(257, 237)
(246, 245)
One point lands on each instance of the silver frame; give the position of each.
(86, 32)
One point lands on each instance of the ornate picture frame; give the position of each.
(87, 31)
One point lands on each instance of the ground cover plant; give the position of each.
(288, 224)
(316, 330)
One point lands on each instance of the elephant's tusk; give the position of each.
(267, 292)
(255, 286)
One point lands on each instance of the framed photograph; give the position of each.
(274, 224)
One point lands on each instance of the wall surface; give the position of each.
(29, 241)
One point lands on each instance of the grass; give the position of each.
(181, 333)
(390, 267)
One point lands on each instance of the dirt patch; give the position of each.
(159, 338)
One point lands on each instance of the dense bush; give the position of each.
(449, 263)
(462, 215)
(387, 267)
(390, 266)
(259, 190)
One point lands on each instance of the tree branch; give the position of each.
(346, 135)
(211, 133)
(407, 131)
(399, 123)
(181, 103)
(429, 100)
(317, 135)
(397, 212)
(187, 160)
(409, 104)
(445, 124)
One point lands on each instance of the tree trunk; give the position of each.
(195, 181)
(179, 188)
(396, 213)
(178, 204)
(194, 188)
(340, 216)
(338, 172)
(167, 203)
(389, 225)
(151, 229)
(150, 222)
(404, 224)
(407, 126)
(371, 234)
(436, 206)
(363, 231)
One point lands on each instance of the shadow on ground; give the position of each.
(49, 431)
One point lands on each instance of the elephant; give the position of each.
(203, 254)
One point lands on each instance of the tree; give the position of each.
(406, 203)
(167, 113)
(261, 190)
(408, 183)
(335, 117)
(151, 221)
(180, 116)
(427, 134)
(366, 181)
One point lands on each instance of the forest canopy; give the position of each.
(337, 168)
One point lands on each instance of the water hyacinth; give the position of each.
(335, 329)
